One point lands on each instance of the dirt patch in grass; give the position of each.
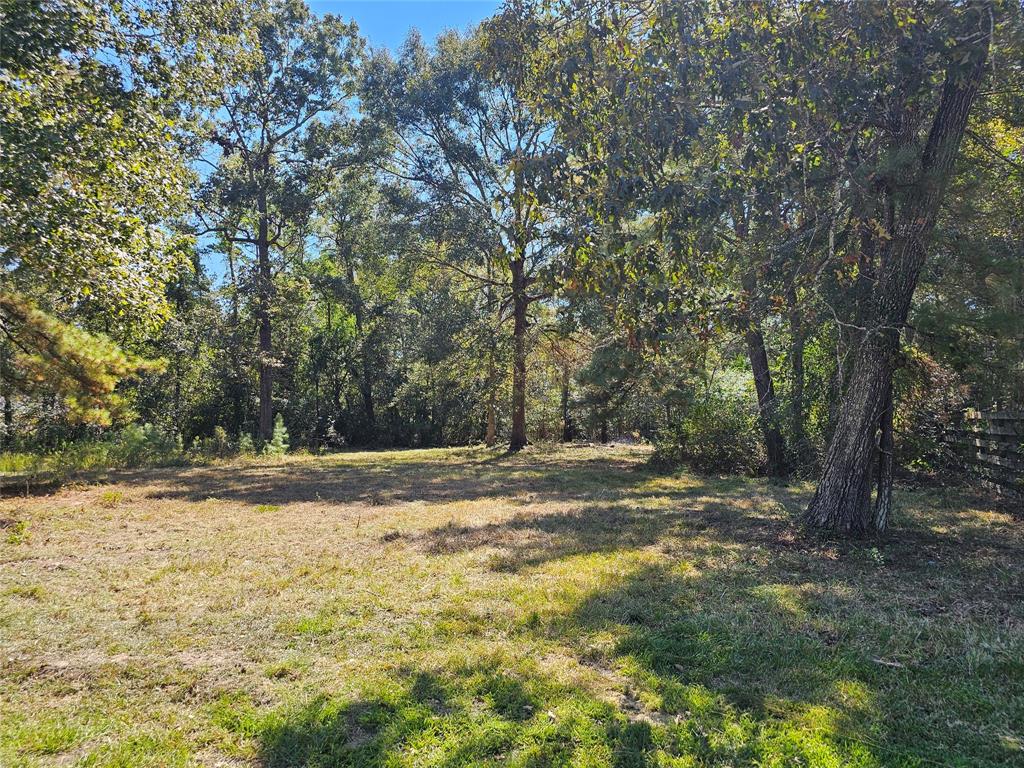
(463, 607)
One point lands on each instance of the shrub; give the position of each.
(218, 445)
(144, 445)
(717, 434)
(133, 446)
(246, 447)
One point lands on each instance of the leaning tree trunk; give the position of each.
(842, 501)
(519, 308)
(767, 401)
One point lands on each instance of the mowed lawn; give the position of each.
(458, 607)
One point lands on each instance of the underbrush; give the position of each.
(717, 434)
(135, 446)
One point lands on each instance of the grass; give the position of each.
(463, 608)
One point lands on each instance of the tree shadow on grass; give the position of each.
(688, 693)
(733, 638)
(487, 716)
(837, 663)
(749, 640)
(394, 477)
(735, 641)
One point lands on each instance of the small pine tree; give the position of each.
(220, 444)
(246, 447)
(278, 444)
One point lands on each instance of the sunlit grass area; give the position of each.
(463, 608)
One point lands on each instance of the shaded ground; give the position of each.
(458, 608)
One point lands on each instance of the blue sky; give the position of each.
(387, 22)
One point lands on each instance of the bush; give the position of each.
(718, 434)
(218, 445)
(246, 447)
(133, 446)
(145, 445)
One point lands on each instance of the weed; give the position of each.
(110, 499)
(17, 532)
(28, 592)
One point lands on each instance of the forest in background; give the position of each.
(779, 237)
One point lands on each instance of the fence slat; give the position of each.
(991, 443)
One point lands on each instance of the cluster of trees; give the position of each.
(782, 236)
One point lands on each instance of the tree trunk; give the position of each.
(491, 436)
(519, 324)
(365, 368)
(237, 387)
(886, 462)
(366, 390)
(568, 432)
(767, 402)
(266, 351)
(842, 499)
(177, 396)
(798, 339)
(5, 375)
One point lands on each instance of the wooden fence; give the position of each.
(991, 444)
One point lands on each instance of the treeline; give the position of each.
(781, 237)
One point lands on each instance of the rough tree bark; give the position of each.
(520, 303)
(886, 462)
(842, 501)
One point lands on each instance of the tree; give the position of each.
(863, 432)
(799, 138)
(365, 263)
(667, 154)
(462, 135)
(270, 137)
(95, 107)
